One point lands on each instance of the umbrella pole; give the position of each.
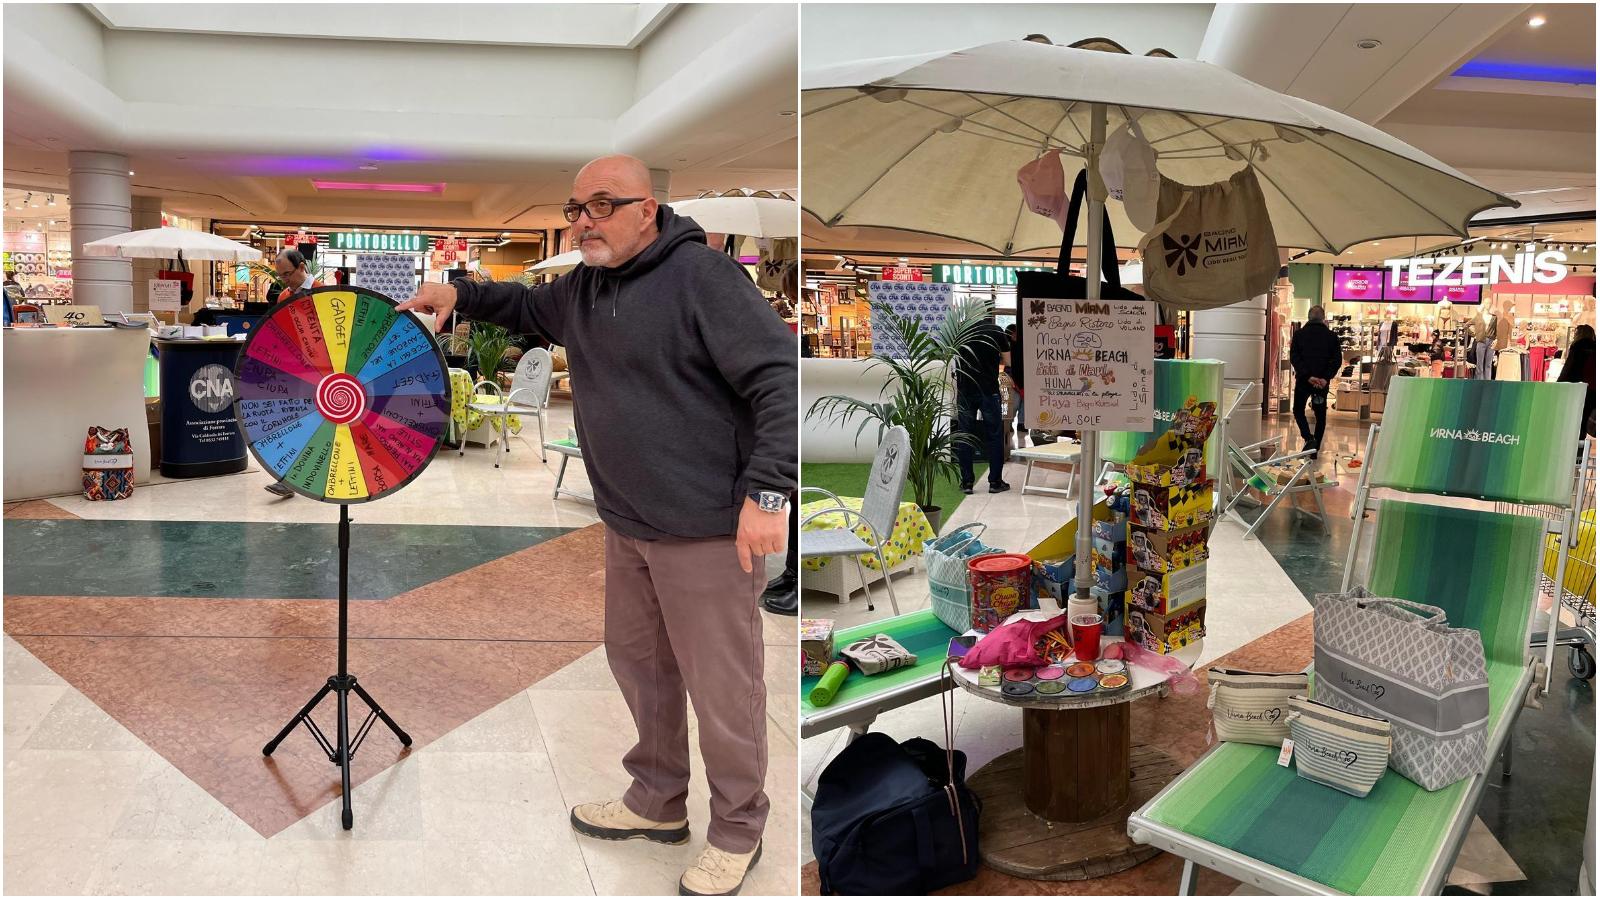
(1089, 449)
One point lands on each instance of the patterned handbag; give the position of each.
(1342, 750)
(1252, 707)
(1401, 661)
(107, 464)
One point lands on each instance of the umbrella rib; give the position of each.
(851, 99)
(1385, 182)
(966, 121)
(995, 107)
(844, 208)
(1307, 219)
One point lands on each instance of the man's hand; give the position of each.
(760, 533)
(437, 299)
(1318, 383)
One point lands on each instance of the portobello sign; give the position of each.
(1526, 267)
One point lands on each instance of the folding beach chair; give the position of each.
(1279, 476)
(1237, 811)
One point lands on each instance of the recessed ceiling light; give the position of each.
(130, 173)
(1536, 21)
(1369, 44)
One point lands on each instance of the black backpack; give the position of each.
(893, 818)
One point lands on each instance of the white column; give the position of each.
(97, 186)
(1237, 335)
(146, 213)
(660, 182)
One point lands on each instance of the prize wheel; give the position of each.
(341, 396)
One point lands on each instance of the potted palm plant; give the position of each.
(919, 395)
(489, 345)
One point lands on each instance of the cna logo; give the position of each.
(1182, 254)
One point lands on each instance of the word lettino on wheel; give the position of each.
(341, 396)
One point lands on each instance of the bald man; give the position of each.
(688, 428)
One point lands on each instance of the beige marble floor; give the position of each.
(90, 810)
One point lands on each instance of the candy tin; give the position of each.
(1017, 688)
(1082, 685)
(1112, 682)
(1050, 687)
(1111, 667)
(1080, 670)
(1019, 674)
(1049, 673)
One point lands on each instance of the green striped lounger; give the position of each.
(861, 698)
(1238, 812)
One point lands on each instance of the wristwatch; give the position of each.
(771, 501)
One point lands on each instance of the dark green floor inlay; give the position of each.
(243, 560)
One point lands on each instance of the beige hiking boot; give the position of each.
(614, 821)
(717, 873)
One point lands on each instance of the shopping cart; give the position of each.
(1575, 595)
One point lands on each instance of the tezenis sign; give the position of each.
(1527, 267)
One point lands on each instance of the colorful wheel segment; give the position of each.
(341, 396)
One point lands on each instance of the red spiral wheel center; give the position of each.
(341, 398)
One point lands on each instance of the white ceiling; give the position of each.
(227, 113)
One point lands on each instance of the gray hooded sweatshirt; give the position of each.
(686, 381)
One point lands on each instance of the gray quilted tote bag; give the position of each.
(1401, 661)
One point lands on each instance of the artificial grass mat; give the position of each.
(850, 480)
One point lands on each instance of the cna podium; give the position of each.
(199, 429)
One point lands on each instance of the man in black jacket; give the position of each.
(689, 430)
(1315, 353)
(978, 394)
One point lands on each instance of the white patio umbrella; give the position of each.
(560, 264)
(761, 217)
(932, 143)
(172, 243)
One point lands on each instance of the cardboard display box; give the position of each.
(1112, 607)
(1167, 633)
(1169, 507)
(816, 645)
(1109, 526)
(1154, 550)
(1109, 577)
(1166, 592)
(1113, 550)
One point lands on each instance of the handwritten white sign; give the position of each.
(1090, 365)
(165, 296)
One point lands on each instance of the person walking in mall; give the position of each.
(1014, 380)
(1315, 353)
(689, 431)
(1578, 366)
(290, 266)
(978, 396)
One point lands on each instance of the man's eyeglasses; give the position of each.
(598, 208)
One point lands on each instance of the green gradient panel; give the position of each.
(1498, 440)
(1176, 381)
(920, 632)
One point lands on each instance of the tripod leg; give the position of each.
(344, 754)
(405, 739)
(305, 711)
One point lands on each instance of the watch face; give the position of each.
(770, 501)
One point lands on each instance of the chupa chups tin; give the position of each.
(1017, 688)
(1082, 685)
(1002, 584)
(1049, 673)
(1022, 673)
(1080, 670)
(1112, 682)
(1050, 687)
(1111, 667)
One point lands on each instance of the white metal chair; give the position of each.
(1242, 469)
(880, 505)
(529, 396)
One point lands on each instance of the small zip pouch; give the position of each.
(1252, 707)
(1345, 751)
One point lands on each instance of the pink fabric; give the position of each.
(1178, 674)
(1044, 187)
(1011, 645)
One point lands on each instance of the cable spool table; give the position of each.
(1056, 809)
(345, 399)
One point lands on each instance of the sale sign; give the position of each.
(1090, 364)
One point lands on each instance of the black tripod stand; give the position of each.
(341, 684)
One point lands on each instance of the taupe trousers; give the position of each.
(682, 616)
